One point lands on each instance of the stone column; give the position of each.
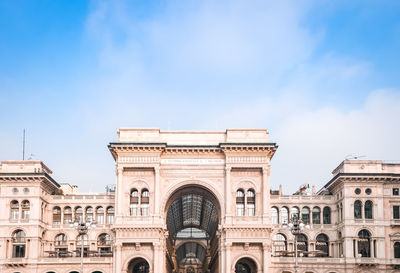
(118, 258)
(228, 261)
(227, 190)
(119, 203)
(266, 258)
(265, 193)
(157, 266)
(222, 256)
(157, 190)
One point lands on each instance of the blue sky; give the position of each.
(321, 76)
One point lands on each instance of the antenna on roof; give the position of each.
(355, 156)
(23, 145)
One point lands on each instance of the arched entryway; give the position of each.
(138, 265)
(245, 265)
(192, 214)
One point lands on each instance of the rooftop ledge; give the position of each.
(154, 135)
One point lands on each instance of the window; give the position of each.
(239, 203)
(274, 216)
(14, 210)
(316, 216)
(396, 249)
(190, 270)
(322, 244)
(15, 191)
(364, 243)
(357, 209)
(251, 203)
(396, 212)
(89, 214)
(18, 240)
(368, 191)
(327, 215)
(61, 245)
(82, 241)
(302, 243)
(395, 191)
(305, 215)
(100, 215)
(145, 203)
(78, 214)
(25, 205)
(26, 190)
(368, 210)
(280, 244)
(67, 215)
(104, 244)
(134, 203)
(295, 212)
(56, 215)
(357, 191)
(284, 215)
(110, 215)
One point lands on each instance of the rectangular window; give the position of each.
(134, 209)
(145, 210)
(19, 251)
(251, 210)
(100, 219)
(396, 212)
(395, 191)
(239, 209)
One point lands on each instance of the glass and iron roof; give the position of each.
(191, 253)
(192, 211)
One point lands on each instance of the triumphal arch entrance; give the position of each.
(192, 202)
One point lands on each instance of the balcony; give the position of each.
(395, 222)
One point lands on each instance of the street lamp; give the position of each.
(296, 226)
(82, 228)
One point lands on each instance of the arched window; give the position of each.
(240, 202)
(364, 243)
(251, 203)
(145, 203)
(245, 265)
(368, 210)
(302, 243)
(104, 244)
(305, 215)
(100, 215)
(357, 209)
(134, 203)
(89, 214)
(25, 205)
(322, 244)
(295, 212)
(78, 214)
(67, 215)
(61, 244)
(56, 215)
(316, 216)
(326, 215)
(280, 244)
(396, 249)
(18, 241)
(274, 216)
(82, 240)
(284, 215)
(110, 215)
(14, 210)
(60, 240)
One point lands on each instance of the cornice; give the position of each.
(349, 177)
(23, 177)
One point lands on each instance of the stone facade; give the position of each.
(198, 202)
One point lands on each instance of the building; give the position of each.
(198, 202)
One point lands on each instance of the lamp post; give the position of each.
(82, 228)
(296, 226)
